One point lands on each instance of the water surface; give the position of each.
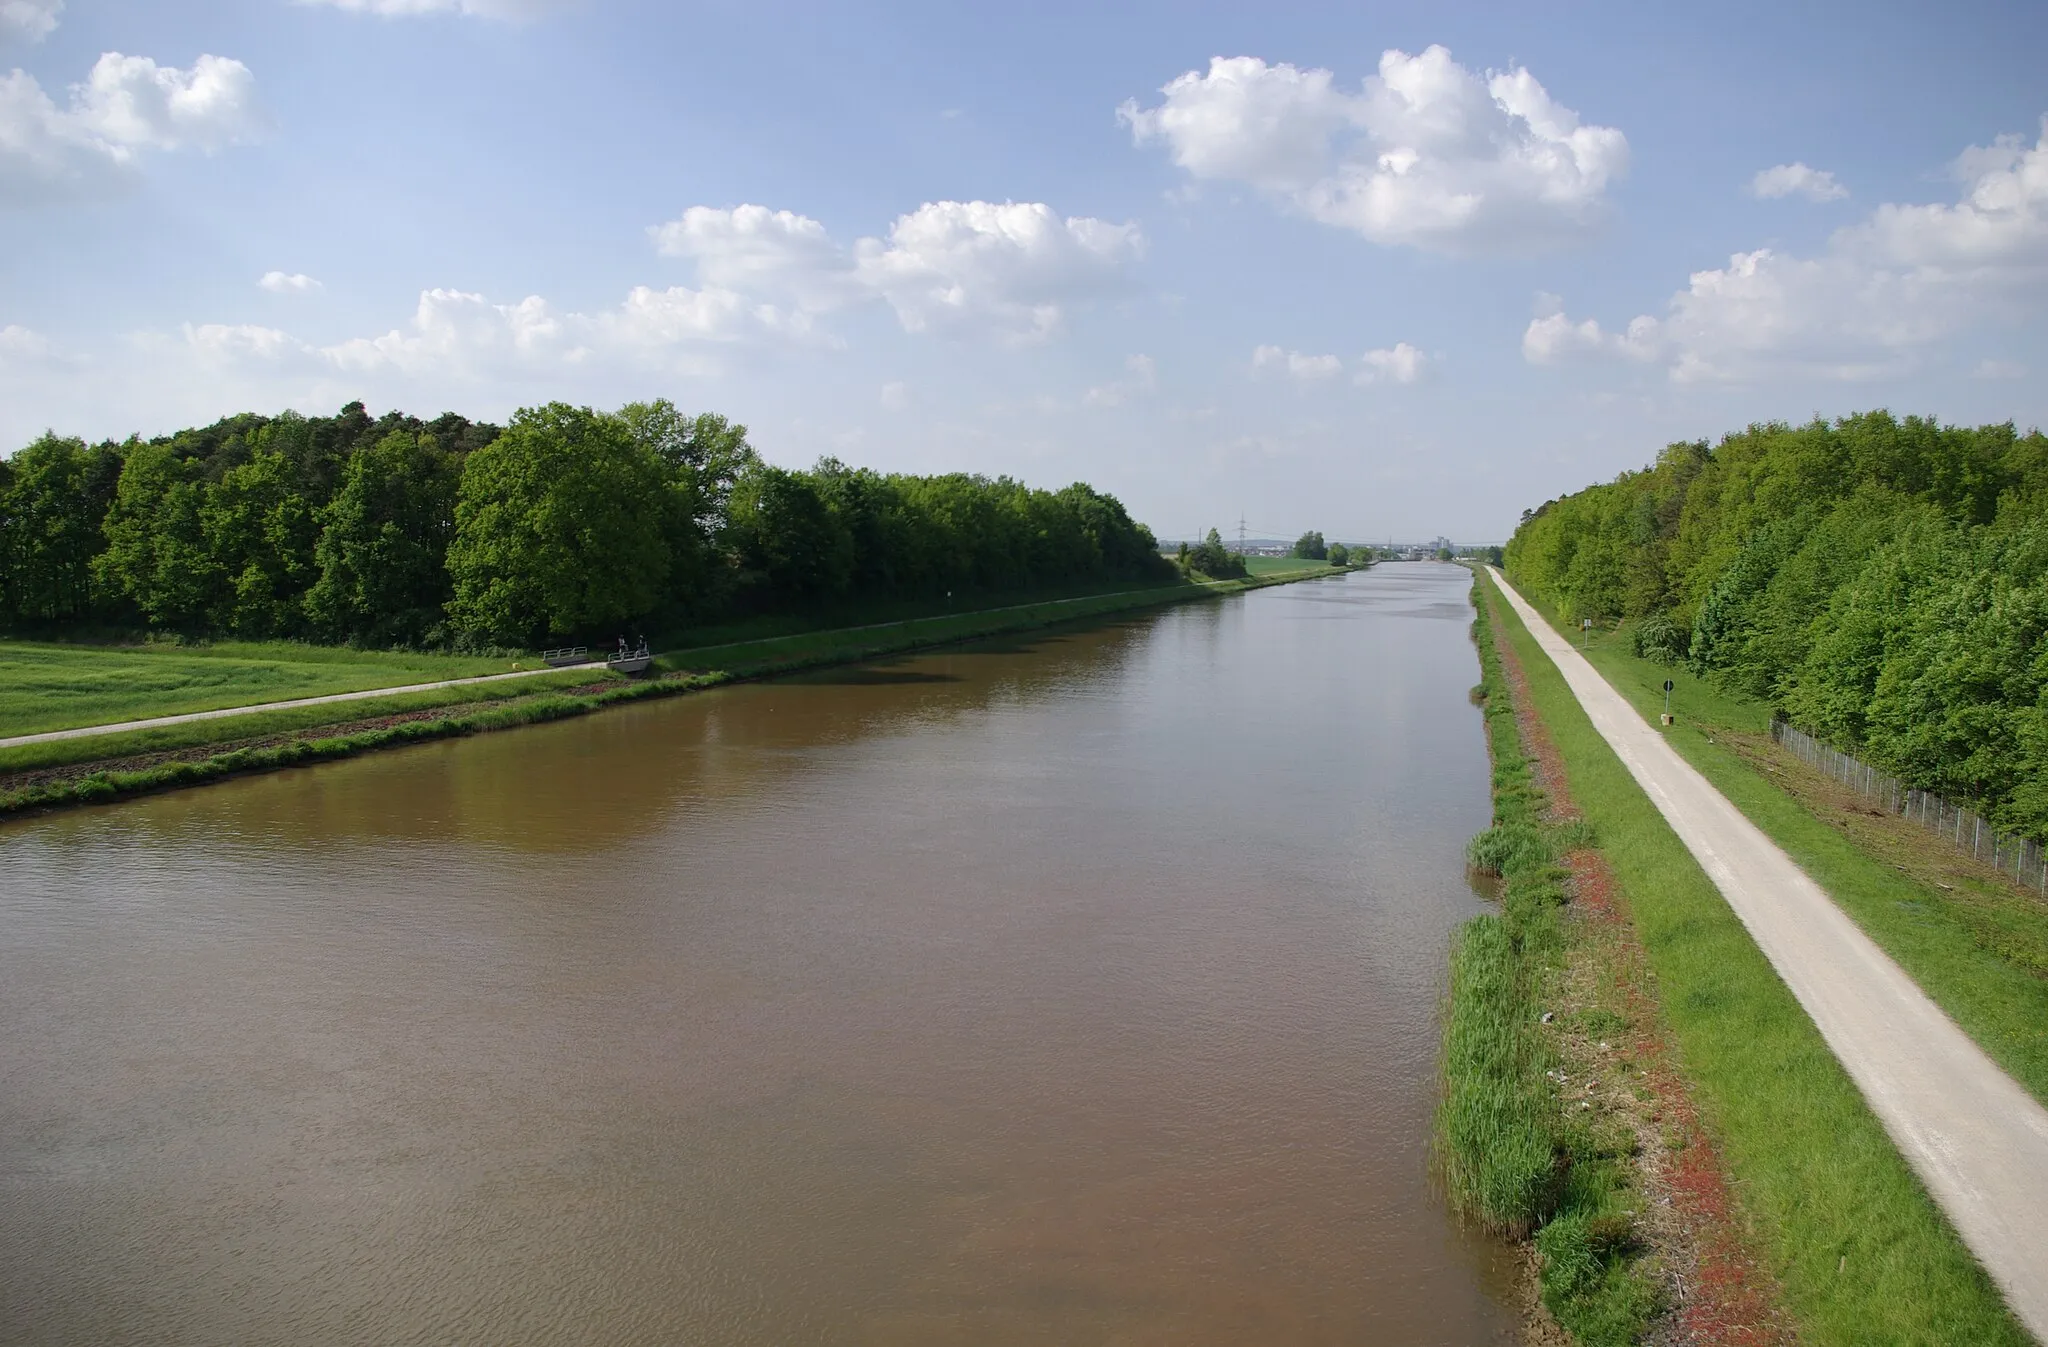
(1075, 988)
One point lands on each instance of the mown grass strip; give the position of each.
(762, 659)
(1863, 1253)
(1507, 1156)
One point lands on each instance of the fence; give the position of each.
(2021, 857)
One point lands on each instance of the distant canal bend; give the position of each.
(1077, 988)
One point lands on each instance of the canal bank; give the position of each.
(1815, 1188)
(71, 770)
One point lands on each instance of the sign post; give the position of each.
(1667, 701)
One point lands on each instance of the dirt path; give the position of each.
(87, 731)
(1978, 1141)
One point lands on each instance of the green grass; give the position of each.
(1261, 567)
(50, 686)
(1861, 1250)
(526, 700)
(1977, 950)
(1507, 1156)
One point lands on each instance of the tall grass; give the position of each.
(1508, 1157)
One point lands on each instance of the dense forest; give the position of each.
(1882, 583)
(566, 523)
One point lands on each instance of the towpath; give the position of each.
(1978, 1141)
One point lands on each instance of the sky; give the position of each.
(1380, 270)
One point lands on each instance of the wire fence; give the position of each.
(2021, 857)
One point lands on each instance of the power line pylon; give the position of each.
(1240, 535)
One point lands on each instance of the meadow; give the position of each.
(53, 686)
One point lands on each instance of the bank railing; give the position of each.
(2021, 857)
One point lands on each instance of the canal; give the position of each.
(1080, 987)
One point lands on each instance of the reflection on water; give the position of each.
(1073, 988)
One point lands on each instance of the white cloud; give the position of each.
(28, 20)
(1905, 277)
(1999, 369)
(1307, 368)
(1399, 363)
(1554, 338)
(1427, 153)
(1141, 376)
(127, 104)
(289, 283)
(1797, 180)
(18, 345)
(895, 395)
(514, 10)
(1009, 268)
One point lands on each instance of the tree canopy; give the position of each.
(569, 523)
(1882, 582)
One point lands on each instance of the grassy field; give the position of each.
(35, 775)
(1973, 943)
(1862, 1252)
(45, 686)
(1261, 567)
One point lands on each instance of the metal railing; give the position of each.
(2021, 857)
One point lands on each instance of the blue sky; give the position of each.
(1377, 270)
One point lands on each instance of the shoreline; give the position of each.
(140, 768)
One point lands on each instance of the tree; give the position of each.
(1214, 560)
(1310, 546)
(1340, 555)
(259, 533)
(156, 555)
(559, 529)
(383, 547)
(52, 499)
(787, 539)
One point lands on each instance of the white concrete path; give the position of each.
(87, 731)
(1978, 1141)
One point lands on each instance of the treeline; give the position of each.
(568, 523)
(1882, 583)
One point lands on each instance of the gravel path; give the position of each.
(87, 731)
(1978, 1141)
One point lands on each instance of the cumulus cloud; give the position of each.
(1141, 376)
(127, 104)
(1295, 364)
(1399, 363)
(1427, 153)
(1010, 268)
(514, 10)
(1882, 290)
(28, 20)
(1814, 184)
(289, 283)
(20, 346)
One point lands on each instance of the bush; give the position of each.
(1657, 637)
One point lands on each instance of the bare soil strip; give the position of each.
(1976, 1139)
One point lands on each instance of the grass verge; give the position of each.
(58, 686)
(1862, 1253)
(1974, 942)
(1510, 1155)
(106, 767)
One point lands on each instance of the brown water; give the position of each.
(1075, 989)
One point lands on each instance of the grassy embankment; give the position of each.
(1510, 1153)
(1973, 942)
(1861, 1251)
(105, 767)
(53, 686)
